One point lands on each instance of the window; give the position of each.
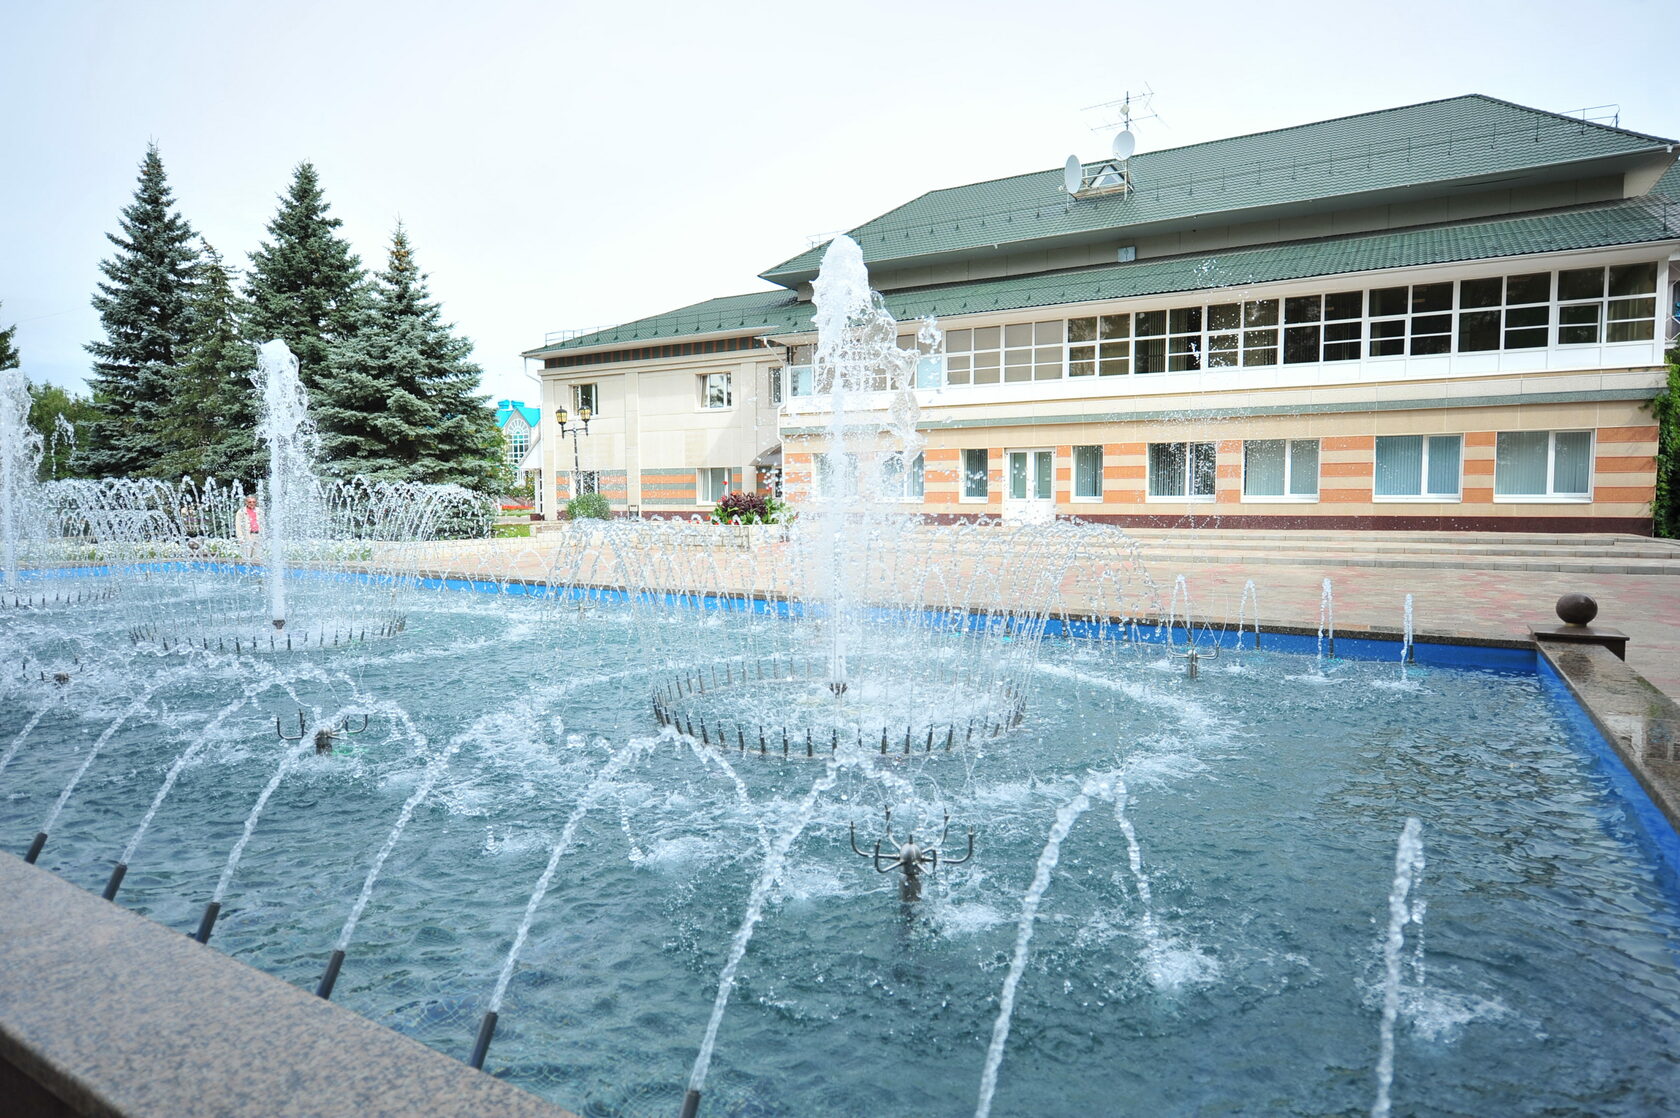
(1031, 475)
(1100, 345)
(1282, 469)
(776, 384)
(901, 483)
(1242, 334)
(588, 481)
(801, 382)
(711, 483)
(716, 390)
(1182, 471)
(976, 478)
(1087, 473)
(1418, 466)
(1022, 351)
(1586, 316)
(1414, 320)
(1322, 327)
(585, 396)
(1544, 464)
(833, 476)
(517, 444)
(1509, 312)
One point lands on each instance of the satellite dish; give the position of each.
(1124, 144)
(1073, 175)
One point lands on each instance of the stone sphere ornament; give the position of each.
(1576, 609)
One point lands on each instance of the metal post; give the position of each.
(115, 882)
(325, 989)
(486, 1030)
(211, 911)
(35, 847)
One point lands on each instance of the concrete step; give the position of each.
(1169, 558)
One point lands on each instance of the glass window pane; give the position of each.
(1043, 475)
(1480, 292)
(1260, 312)
(1018, 475)
(1186, 320)
(1151, 355)
(1578, 325)
(1388, 339)
(915, 478)
(1427, 297)
(1303, 308)
(1266, 356)
(1399, 468)
(1344, 304)
(1087, 471)
(1622, 309)
(1300, 344)
(1387, 301)
(987, 337)
(1082, 368)
(1224, 316)
(1633, 279)
(1048, 333)
(1082, 329)
(1444, 451)
(1571, 462)
(1019, 334)
(1151, 323)
(1166, 469)
(1202, 471)
(1263, 462)
(1581, 283)
(974, 472)
(1047, 364)
(1303, 468)
(959, 341)
(1478, 330)
(1431, 344)
(1111, 367)
(1641, 331)
(1533, 288)
(930, 371)
(1519, 463)
(1116, 325)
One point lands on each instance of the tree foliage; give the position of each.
(212, 420)
(305, 286)
(143, 306)
(8, 347)
(400, 399)
(1665, 505)
(61, 418)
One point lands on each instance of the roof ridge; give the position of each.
(1575, 119)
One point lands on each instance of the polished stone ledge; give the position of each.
(103, 1012)
(1641, 723)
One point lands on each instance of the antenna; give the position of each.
(1115, 173)
(1073, 175)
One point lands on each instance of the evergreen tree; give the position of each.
(143, 306)
(8, 349)
(305, 285)
(400, 399)
(212, 418)
(61, 418)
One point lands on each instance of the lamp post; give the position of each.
(580, 427)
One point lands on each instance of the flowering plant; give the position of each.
(751, 508)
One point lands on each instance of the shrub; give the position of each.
(750, 508)
(588, 505)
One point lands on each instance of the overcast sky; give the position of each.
(570, 165)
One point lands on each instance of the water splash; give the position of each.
(1408, 867)
(1406, 640)
(23, 735)
(1096, 785)
(20, 457)
(1326, 620)
(1249, 594)
(290, 434)
(132, 709)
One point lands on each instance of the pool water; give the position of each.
(1265, 798)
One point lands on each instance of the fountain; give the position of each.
(20, 456)
(664, 903)
(290, 435)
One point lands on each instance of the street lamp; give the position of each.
(580, 427)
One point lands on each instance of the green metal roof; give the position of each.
(756, 312)
(1461, 138)
(1633, 221)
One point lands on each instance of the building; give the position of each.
(521, 429)
(1447, 315)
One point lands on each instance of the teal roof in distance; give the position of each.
(506, 408)
(1456, 139)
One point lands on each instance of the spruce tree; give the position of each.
(8, 349)
(400, 399)
(212, 418)
(305, 286)
(143, 306)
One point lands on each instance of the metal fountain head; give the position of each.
(910, 857)
(1193, 657)
(324, 736)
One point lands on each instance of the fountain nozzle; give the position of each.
(279, 622)
(837, 686)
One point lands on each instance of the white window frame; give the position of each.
(594, 398)
(904, 482)
(985, 477)
(1073, 492)
(585, 481)
(1286, 497)
(776, 386)
(728, 382)
(1421, 498)
(1151, 497)
(1551, 497)
(705, 474)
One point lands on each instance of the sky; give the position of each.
(561, 166)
